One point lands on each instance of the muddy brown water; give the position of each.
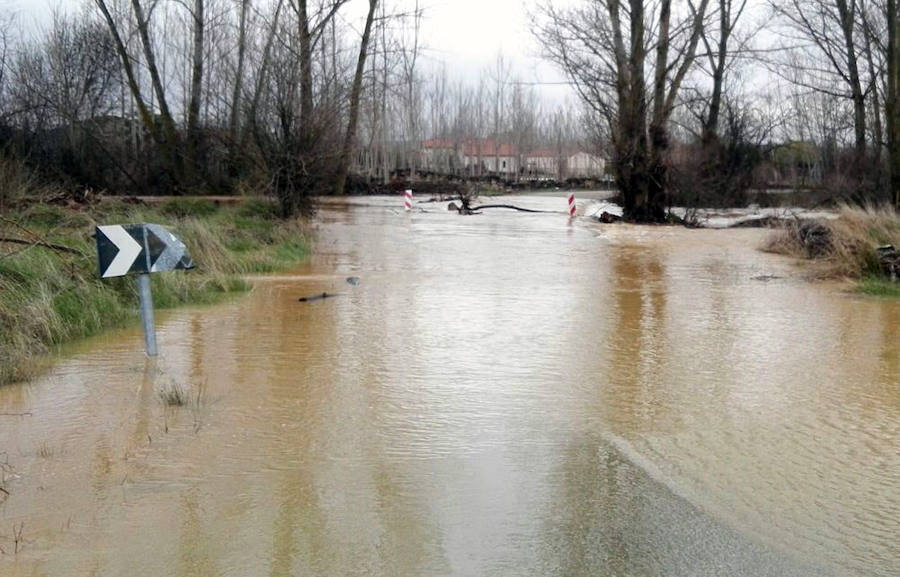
(504, 394)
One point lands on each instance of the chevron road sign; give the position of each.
(140, 249)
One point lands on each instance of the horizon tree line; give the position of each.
(295, 98)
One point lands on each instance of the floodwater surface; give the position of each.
(501, 394)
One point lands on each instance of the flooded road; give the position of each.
(503, 394)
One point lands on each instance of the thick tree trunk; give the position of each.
(641, 153)
(306, 80)
(892, 109)
(634, 154)
(343, 166)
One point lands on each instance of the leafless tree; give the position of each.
(892, 109)
(343, 165)
(822, 52)
(628, 60)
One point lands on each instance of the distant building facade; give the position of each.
(488, 156)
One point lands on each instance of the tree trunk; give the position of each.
(877, 128)
(262, 75)
(306, 80)
(847, 15)
(130, 74)
(193, 117)
(892, 109)
(637, 150)
(234, 125)
(170, 144)
(343, 166)
(710, 132)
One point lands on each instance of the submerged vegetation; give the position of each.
(50, 292)
(879, 287)
(845, 247)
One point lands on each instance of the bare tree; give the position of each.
(718, 43)
(343, 165)
(892, 108)
(603, 56)
(822, 53)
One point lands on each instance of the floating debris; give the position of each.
(322, 296)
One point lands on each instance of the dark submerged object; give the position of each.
(322, 296)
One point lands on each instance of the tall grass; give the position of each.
(49, 297)
(842, 247)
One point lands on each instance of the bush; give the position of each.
(845, 246)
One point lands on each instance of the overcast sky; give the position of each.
(469, 34)
(466, 35)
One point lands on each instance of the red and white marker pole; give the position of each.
(407, 199)
(571, 204)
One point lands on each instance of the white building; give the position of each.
(487, 156)
(563, 164)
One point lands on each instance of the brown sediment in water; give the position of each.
(513, 394)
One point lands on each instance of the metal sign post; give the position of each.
(141, 249)
(143, 282)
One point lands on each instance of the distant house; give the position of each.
(441, 155)
(564, 164)
(545, 163)
(489, 156)
(471, 157)
(582, 164)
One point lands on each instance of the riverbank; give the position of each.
(860, 244)
(50, 292)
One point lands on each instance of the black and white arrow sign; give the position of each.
(139, 248)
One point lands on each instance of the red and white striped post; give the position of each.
(571, 204)
(407, 199)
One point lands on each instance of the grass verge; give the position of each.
(49, 296)
(879, 287)
(844, 247)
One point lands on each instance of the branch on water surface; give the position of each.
(322, 296)
(510, 206)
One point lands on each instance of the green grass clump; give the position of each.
(259, 208)
(49, 297)
(189, 207)
(879, 287)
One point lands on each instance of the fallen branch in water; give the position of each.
(510, 206)
(319, 297)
